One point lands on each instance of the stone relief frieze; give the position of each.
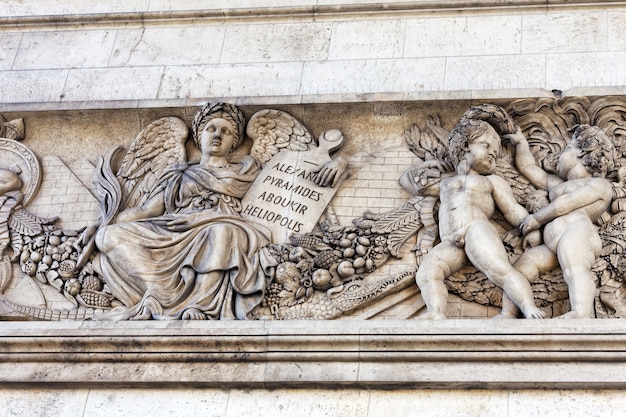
(519, 207)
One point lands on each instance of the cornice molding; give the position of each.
(264, 11)
(492, 354)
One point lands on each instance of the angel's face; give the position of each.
(218, 137)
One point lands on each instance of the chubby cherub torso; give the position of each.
(465, 199)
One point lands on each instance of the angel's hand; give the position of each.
(529, 224)
(515, 138)
(532, 239)
(330, 172)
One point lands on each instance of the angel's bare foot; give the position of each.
(573, 315)
(534, 313)
(193, 314)
(432, 315)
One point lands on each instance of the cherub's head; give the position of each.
(9, 181)
(595, 150)
(476, 144)
(217, 110)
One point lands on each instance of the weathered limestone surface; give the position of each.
(76, 55)
(105, 69)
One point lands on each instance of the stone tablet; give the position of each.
(285, 197)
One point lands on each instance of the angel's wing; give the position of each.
(156, 150)
(273, 130)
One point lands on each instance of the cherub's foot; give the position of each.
(505, 315)
(193, 314)
(573, 315)
(534, 313)
(432, 315)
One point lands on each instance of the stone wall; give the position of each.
(86, 75)
(69, 55)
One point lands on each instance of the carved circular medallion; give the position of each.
(13, 153)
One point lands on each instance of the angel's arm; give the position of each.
(155, 206)
(525, 161)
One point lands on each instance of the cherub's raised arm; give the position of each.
(592, 199)
(525, 161)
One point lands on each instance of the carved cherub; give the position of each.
(468, 198)
(579, 195)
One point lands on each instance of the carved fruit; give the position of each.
(358, 263)
(345, 269)
(361, 250)
(29, 268)
(348, 252)
(67, 269)
(364, 241)
(35, 256)
(54, 240)
(345, 243)
(326, 259)
(73, 287)
(92, 283)
(321, 279)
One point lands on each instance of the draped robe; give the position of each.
(200, 254)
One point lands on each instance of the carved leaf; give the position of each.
(273, 130)
(28, 224)
(400, 224)
(156, 150)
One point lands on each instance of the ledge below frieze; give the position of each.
(314, 354)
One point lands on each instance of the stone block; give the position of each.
(271, 79)
(564, 32)
(65, 49)
(9, 42)
(495, 72)
(32, 86)
(439, 403)
(565, 71)
(173, 402)
(367, 76)
(113, 84)
(168, 46)
(576, 403)
(285, 42)
(42, 402)
(160, 5)
(53, 7)
(287, 403)
(369, 39)
(617, 40)
(463, 35)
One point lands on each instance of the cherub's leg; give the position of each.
(534, 262)
(577, 251)
(443, 260)
(486, 251)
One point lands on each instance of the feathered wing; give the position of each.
(274, 130)
(156, 150)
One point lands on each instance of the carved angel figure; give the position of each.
(178, 247)
(185, 252)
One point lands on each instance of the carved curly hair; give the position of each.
(462, 135)
(597, 150)
(214, 110)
